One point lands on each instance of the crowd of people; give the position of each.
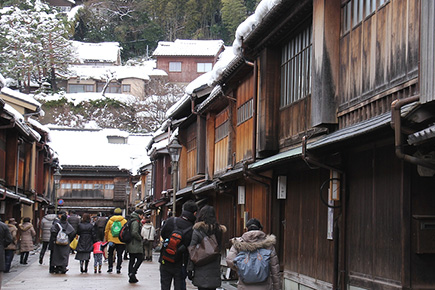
(64, 234)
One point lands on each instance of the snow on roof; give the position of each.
(97, 52)
(38, 125)
(246, 27)
(101, 73)
(91, 148)
(182, 47)
(184, 99)
(14, 113)
(77, 98)
(23, 97)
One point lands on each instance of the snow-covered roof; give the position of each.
(77, 98)
(20, 96)
(38, 125)
(97, 52)
(91, 148)
(182, 47)
(101, 73)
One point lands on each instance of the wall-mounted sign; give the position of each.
(282, 187)
(241, 194)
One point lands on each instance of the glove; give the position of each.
(190, 275)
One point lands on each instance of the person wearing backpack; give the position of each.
(148, 234)
(176, 270)
(256, 242)
(134, 247)
(59, 256)
(207, 276)
(111, 235)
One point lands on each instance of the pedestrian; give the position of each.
(27, 234)
(135, 247)
(100, 225)
(252, 240)
(98, 248)
(74, 220)
(59, 256)
(5, 240)
(111, 235)
(45, 227)
(177, 271)
(12, 247)
(148, 234)
(87, 237)
(207, 276)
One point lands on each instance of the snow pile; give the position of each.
(188, 48)
(97, 52)
(77, 98)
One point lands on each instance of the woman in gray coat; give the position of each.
(208, 276)
(250, 241)
(27, 234)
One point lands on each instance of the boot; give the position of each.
(81, 267)
(26, 256)
(132, 279)
(99, 268)
(86, 266)
(95, 269)
(21, 258)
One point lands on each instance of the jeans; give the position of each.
(119, 250)
(43, 250)
(134, 263)
(9, 256)
(169, 272)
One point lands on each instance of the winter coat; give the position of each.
(186, 220)
(108, 233)
(60, 253)
(5, 240)
(100, 225)
(14, 232)
(251, 241)
(148, 232)
(46, 223)
(87, 237)
(135, 246)
(27, 233)
(74, 221)
(208, 275)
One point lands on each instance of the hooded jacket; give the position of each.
(251, 241)
(27, 233)
(46, 223)
(13, 229)
(135, 246)
(208, 275)
(108, 233)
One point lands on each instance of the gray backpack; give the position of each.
(62, 238)
(253, 267)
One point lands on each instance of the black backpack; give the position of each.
(125, 235)
(173, 248)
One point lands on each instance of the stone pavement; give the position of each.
(36, 276)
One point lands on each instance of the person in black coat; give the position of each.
(178, 271)
(87, 238)
(5, 240)
(59, 256)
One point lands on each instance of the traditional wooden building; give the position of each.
(27, 162)
(321, 126)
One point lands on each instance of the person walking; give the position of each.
(5, 240)
(74, 220)
(87, 237)
(252, 240)
(111, 235)
(12, 247)
(100, 225)
(135, 247)
(45, 227)
(207, 276)
(98, 255)
(148, 234)
(177, 271)
(27, 234)
(59, 256)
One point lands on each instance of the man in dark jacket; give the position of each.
(74, 220)
(5, 240)
(177, 271)
(134, 247)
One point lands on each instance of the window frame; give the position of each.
(175, 66)
(203, 67)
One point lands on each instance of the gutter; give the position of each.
(396, 124)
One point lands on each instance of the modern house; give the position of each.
(185, 60)
(321, 126)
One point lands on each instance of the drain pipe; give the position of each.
(396, 123)
(339, 241)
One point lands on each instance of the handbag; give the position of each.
(204, 252)
(73, 244)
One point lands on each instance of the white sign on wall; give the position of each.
(282, 187)
(241, 194)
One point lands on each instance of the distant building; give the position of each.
(64, 5)
(185, 60)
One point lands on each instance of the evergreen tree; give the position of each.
(233, 13)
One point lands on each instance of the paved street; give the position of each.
(36, 276)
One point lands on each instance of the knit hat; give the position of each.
(117, 210)
(254, 225)
(12, 221)
(139, 211)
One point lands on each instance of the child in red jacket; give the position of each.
(98, 255)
